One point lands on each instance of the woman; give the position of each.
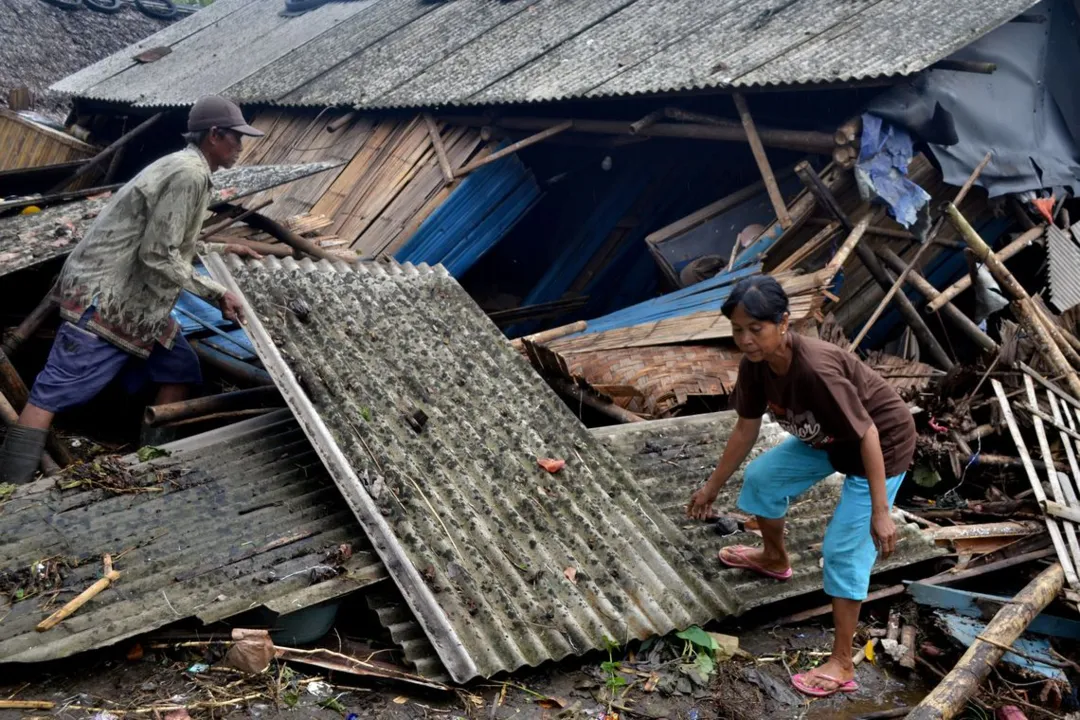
(843, 418)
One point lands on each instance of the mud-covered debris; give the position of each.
(726, 525)
(300, 308)
(417, 420)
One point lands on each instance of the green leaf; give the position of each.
(647, 645)
(926, 476)
(19, 594)
(699, 638)
(332, 703)
(615, 682)
(611, 666)
(148, 453)
(6, 489)
(290, 698)
(365, 412)
(704, 664)
(610, 645)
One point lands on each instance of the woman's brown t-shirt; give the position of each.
(827, 399)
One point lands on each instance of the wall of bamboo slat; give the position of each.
(389, 181)
(24, 144)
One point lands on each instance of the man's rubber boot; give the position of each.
(20, 455)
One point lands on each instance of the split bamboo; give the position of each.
(762, 160)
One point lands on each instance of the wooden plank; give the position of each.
(440, 149)
(762, 161)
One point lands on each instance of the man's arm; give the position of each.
(171, 210)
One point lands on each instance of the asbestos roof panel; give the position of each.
(243, 515)
(405, 53)
(1064, 259)
(29, 240)
(477, 536)
(668, 460)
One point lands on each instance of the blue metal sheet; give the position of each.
(478, 213)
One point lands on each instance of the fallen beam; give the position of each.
(1024, 241)
(948, 699)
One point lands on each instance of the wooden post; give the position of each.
(613, 411)
(924, 287)
(918, 255)
(1020, 243)
(819, 190)
(762, 161)
(287, 236)
(334, 125)
(647, 121)
(947, 700)
(440, 148)
(105, 154)
(519, 145)
(11, 384)
(230, 221)
(30, 324)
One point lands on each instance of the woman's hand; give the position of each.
(883, 530)
(701, 502)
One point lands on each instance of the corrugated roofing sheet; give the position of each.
(409, 53)
(669, 459)
(242, 517)
(29, 240)
(431, 425)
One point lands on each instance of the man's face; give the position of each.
(225, 146)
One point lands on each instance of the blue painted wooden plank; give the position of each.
(965, 630)
(971, 604)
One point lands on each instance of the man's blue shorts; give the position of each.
(81, 364)
(790, 469)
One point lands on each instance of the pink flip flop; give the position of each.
(741, 561)
(799, 681)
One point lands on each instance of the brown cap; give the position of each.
(215, 111)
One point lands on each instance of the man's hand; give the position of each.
(701, 502)
(242, 251)
(231, 307)
(883, 530)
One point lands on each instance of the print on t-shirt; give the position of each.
(802, 425)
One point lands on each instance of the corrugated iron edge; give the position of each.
(415, 590)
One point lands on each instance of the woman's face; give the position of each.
(758, 339)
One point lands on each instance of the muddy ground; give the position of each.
(110, 681)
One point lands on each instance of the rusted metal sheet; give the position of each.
(236, 518)
(431, 425)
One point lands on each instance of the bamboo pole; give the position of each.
(1020, 243)
(918, 255)
(613, 411)
(81, 599)
(911, 316)
(729, 131)
(27, 705)
(850, 242)
(927, 290)
(511, 149)
(542, 338)
(948, 699)
(287, 236)
(762, 160)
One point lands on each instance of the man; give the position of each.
(118, 287)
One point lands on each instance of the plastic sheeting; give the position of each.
(1027, 111)
(881, 172)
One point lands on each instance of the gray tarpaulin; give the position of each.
(1027, 112)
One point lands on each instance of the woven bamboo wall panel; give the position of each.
(24, 144)
(663, 377)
